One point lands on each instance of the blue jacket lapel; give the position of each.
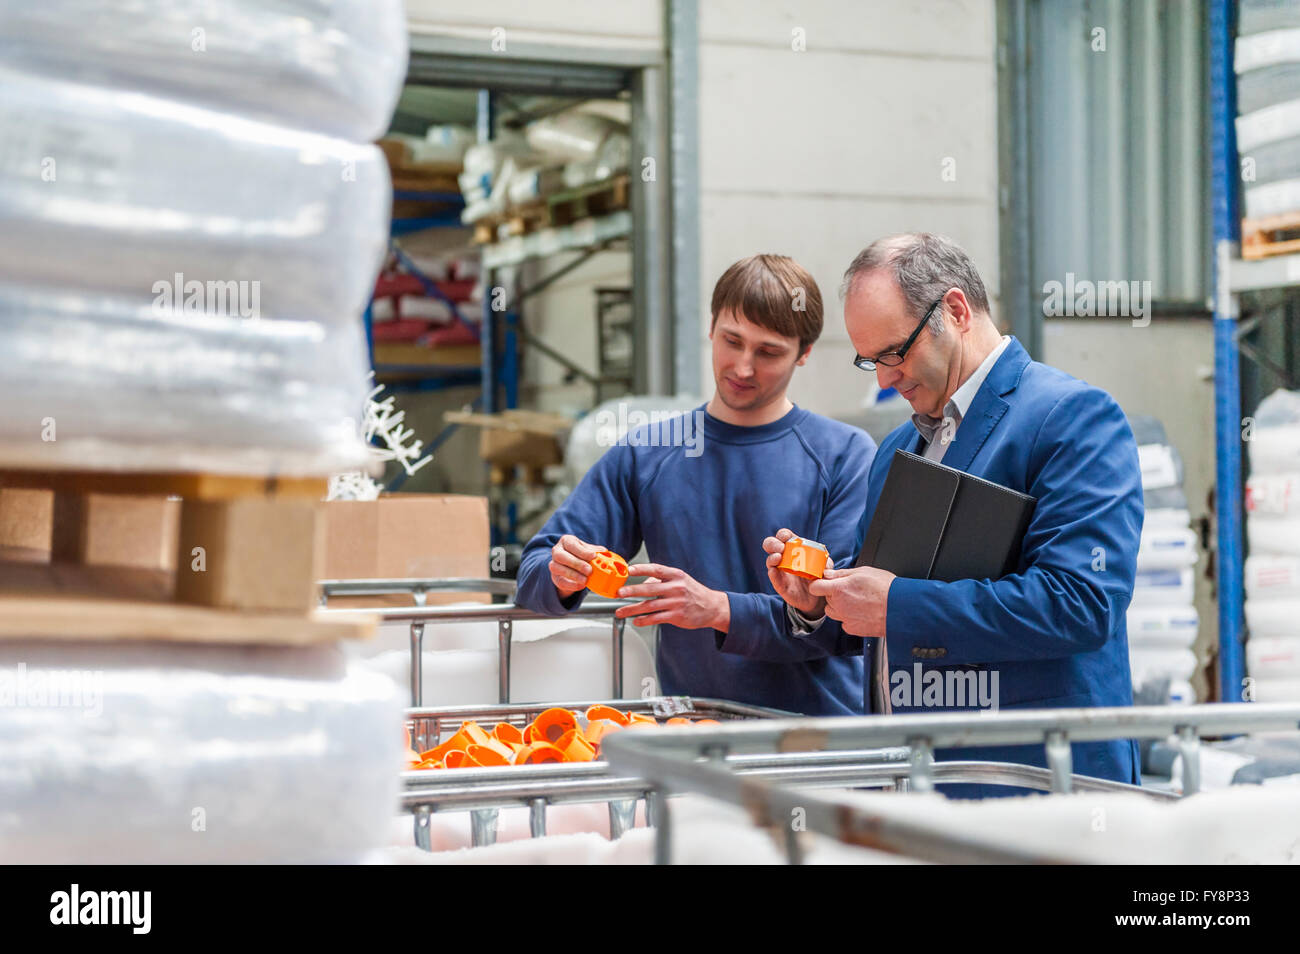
(988, 407)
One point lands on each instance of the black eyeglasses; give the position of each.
(892, 359)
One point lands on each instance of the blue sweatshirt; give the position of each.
(705, 510)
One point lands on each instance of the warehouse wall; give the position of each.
(627, 23)
(885, 121)
(816, 153)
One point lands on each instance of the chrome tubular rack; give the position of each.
(703, 762)
(505, 615)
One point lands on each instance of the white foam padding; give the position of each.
(194, 754)
(1245, 824)
(575, 663)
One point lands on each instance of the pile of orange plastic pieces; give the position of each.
(557, 735)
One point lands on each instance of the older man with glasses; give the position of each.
(1053, 631)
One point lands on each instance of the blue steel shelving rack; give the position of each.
(1226, 233)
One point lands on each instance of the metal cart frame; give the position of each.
(484, 791)
(702, 762)
(505, 615)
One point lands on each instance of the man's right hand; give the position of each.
(569, 567)
(793, 589)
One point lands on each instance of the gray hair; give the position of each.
(925, 266)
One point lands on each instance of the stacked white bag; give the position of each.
(1272, 571)
(191, 220)
(1267, 62)
(1162, 620)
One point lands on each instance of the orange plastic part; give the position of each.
(803, 558)
(536, 753)
(599, 712)
(575, 747)
(470, 733)
(551, 724)
(507, 733)
(436, 753)
(635, 718)
(599, 729)
(456, 758)
(494, 753)
(678, 720)
(608, 574)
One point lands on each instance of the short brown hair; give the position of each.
(765, 289)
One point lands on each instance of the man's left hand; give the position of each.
(673, 596)
(858, 597)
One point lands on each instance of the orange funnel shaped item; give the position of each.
(608, 574)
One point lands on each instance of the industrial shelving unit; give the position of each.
(1232, 277)
(1226, 235)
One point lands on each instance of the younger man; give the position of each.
(703, 512)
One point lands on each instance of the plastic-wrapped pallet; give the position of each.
(1162, 622)
(154, 753)
(130, 388)
(195, 238)
(1272, 571)
(334, 66)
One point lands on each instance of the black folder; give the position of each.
(938, 523)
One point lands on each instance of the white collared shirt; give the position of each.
(930, 428)
(940, 431)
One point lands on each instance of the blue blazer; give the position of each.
(1053, 631)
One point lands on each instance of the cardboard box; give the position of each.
(252, 553)
(527, 438)
(407, 536)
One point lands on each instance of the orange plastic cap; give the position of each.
(805, 558)
(470, 733)
(608, 574)
(491, 754)
(537, 753)
(553, 723)
(575, 747)
(509, 734)
(599, 712)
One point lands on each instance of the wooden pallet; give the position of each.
(1274, 235)
(554, 211)
(235, 559)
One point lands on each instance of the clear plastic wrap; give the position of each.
(130, 388)
(189, 754)
(336, 66)
(116, 192)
